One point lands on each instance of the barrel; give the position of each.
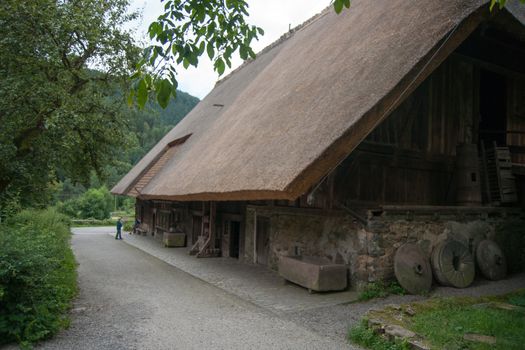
(468, 181)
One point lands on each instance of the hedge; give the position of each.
(37, 276)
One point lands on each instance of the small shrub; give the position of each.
(37, 276)
(380, 289)
(128, 225)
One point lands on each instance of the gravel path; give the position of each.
(131, 300)
(251, 282)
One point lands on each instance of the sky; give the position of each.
(274, 16)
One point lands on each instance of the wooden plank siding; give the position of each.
(516, 119)
(409, 158)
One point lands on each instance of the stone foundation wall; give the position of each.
(335, 236)
(368, 249)
(427, 228)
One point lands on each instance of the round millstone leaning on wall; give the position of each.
(452, 264)
(491, 260)
(412, 269)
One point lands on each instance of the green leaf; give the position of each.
(142, 94)
(251, 53)
(202, 47)
(154, 29)
(243, 52)
(338, 6)
(131, 95)
(164, 92)
(219, 66)
(210, 50)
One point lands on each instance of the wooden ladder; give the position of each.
(499, 183)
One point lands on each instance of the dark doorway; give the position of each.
(492, 108)
(196, 229)
(235, 236)
(263, 239)
(154, 224)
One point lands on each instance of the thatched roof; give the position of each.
(278, 124)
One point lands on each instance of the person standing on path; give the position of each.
(119, 229)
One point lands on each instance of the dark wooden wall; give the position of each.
(439, 114)
(516, 119)
(409, 157)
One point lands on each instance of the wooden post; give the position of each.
(255, 236)
(213, 208)
(202, 221)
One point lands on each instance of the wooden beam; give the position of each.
(509, 72)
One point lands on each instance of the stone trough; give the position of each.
(174, 239)
(314, 273)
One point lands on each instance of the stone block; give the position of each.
(480, 338)
(314, 273)
(393, 331)
(418, 345)
(170, 239)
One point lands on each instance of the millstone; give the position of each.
(453, 264)
(412, 269)
(491, 260)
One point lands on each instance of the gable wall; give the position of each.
(410, 157)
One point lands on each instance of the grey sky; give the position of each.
(274, 16)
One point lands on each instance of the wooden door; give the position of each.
(263, 240)
(235, 235)
(196, 230)
(154, 224)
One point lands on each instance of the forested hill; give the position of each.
(152, 123)
(147, 127)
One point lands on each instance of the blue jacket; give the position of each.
(119, 225)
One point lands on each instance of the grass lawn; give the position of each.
(443, 323)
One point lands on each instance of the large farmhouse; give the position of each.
(394, 121)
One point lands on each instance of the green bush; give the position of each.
(92, 222)
(95, 203)
(37, 276)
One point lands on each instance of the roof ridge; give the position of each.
(277, 42)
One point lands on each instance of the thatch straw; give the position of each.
(290, 116)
